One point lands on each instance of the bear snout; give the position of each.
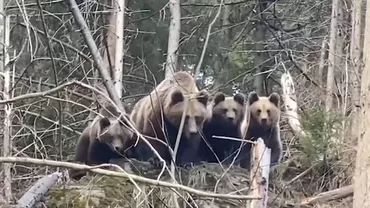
(117, 144)
(264, 121)
(231, 119)
(194, 136)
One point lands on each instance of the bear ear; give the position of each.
(104, 123)
(253, 97)
(240, 98)
(274, 98)
(203, 97)
(176, 97)
(219, 97)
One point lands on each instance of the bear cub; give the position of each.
(263, 114)
(227, 115)
(105, 138)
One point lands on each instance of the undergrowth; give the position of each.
(322, 128)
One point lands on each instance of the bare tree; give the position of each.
(5, 72)
(362, 172)
(354, 73)
(173, 38)
(331, 56)
(117, 19)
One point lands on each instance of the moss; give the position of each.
(100, 191)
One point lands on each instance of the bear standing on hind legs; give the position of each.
(106, 137)
(162, 110)
(227, 116)
(263, 115)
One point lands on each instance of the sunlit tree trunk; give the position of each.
(173, 38)
(362, 172)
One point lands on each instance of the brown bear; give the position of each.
(227, 116)
(263, 116)
(106, 137)
(169, 99)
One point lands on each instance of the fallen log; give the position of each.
(339, 193)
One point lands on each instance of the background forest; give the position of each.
(251, 44)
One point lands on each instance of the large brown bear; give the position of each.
(106, 137)
(169, 99)
(263, 115)
(227, 116)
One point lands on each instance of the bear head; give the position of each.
(264, 111)
(195, 115)
(230, 109)
(115, 132)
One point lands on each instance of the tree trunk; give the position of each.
(118, 20)
(362, 171)
(354, 73)
(173, 38)
(7, 139)
(322, 61)
(260, 37)
(331, 56)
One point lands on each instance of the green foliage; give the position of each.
(321, 128)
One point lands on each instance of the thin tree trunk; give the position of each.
(260, 37)
(119, 45)
(354, 73)
(173, 38)
(322, 61)
(362, 171)
(332, 51)
(7, 140)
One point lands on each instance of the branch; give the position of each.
(25, 160)
(330, 195)
(102, 67)
(197, 70)
(39, 94)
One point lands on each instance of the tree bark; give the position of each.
(260, 37)
(173, 38)
(5, 72)
(356, 62)
(331, 56)
(362, 171)
(118, 20)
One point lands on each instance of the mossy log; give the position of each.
(104, 191)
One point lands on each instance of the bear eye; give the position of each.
(224, 110)
(234, 109)
(259, 111)
(268, 111)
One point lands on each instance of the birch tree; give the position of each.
(331, 56)
(173, 38)
(362, 172)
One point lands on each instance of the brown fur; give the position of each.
(227, 115)
(171, 96)
(263, 116)
(103, 139)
